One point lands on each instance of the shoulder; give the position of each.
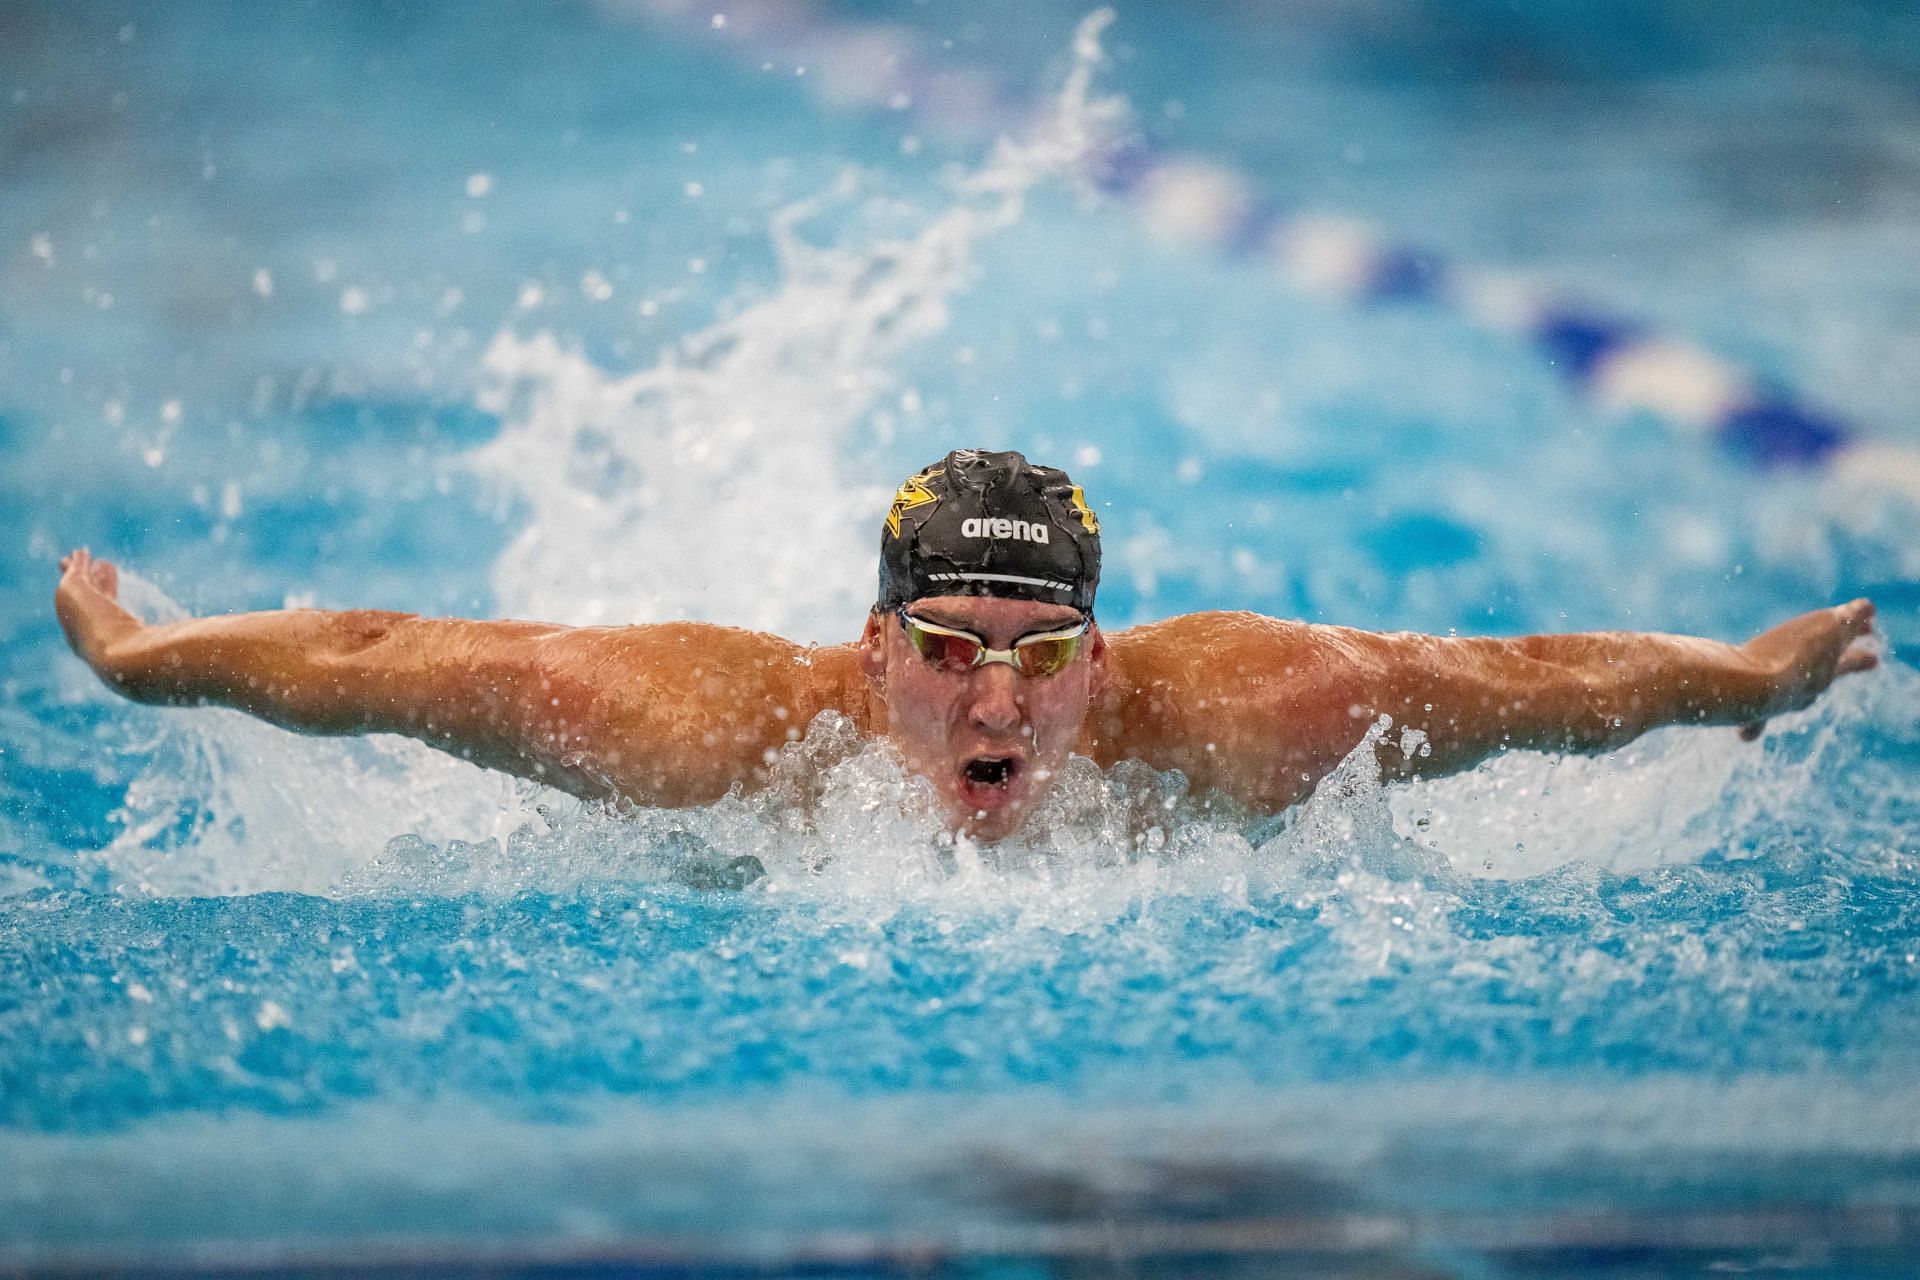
(728, 670)
(1207, 646)
(1209, 677)
(1161, 676)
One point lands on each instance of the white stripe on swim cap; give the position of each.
(1001, 577)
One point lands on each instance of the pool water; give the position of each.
(602, 314)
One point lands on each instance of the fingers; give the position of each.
(1856, 616)
(78, 567)
(1856, 657)
(1856, 625)
(78, 563)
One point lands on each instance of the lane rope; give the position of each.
(1621, 364)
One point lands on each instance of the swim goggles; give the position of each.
(1043, 653)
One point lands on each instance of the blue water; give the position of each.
(272, 285)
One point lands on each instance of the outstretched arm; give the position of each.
(674, 713)
(1598, 691)
(1262, 709)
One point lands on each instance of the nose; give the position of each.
(995, 707)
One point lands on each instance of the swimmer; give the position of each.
(981, 662)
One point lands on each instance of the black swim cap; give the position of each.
(990, 524)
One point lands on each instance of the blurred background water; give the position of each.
(599, 313)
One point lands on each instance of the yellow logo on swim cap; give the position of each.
(914, 493)
(1085, 512)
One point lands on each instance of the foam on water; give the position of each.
(1678, 795)
(227, 804)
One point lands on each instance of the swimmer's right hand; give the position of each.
(90, 613)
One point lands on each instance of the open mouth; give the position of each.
(986, 781)
(987, 772)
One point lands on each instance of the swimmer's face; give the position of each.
(990, 739)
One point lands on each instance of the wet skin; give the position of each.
(950, 725)
(680, 713)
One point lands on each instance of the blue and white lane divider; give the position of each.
(1621, 365)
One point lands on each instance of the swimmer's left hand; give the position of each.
(1803, 656)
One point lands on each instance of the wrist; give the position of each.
(1772, 680)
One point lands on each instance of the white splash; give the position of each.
(228, 804)
(714, 485)
(845, 829)
(1673, 797)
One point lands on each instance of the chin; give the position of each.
(988, 822)
(990, 827)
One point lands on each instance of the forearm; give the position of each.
(505, 695)
(318, 672)
(1596, 691)
(1581, 693)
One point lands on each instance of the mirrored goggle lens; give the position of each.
(948, 653)
(1044, 657)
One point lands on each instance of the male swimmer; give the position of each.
(980, 662)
